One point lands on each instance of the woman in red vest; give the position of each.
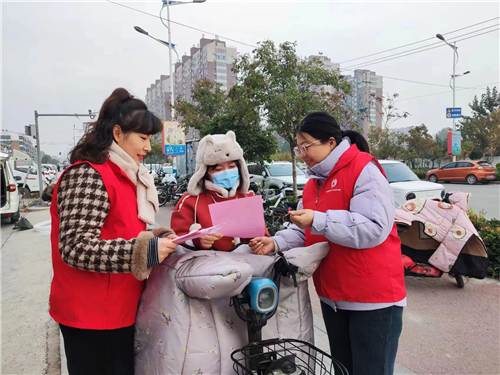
(101, 250)
(349, 203)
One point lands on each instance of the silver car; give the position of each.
(277, 175)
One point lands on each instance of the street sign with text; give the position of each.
(453, 112)
(174, 140)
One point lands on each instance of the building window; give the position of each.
(221, 57)
(221, 50)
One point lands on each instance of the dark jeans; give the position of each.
(99, 352)
(365, 342)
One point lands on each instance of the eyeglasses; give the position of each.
(302, 150)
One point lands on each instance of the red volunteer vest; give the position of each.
(372, 275)
(92, 300)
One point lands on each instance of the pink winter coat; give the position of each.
(456, 241)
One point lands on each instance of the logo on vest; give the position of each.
(334, 183)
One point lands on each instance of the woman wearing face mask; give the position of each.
(101, 250)
(221, 174)
(349, 203)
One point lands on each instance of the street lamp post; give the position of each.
(167, 4)
(455, 62)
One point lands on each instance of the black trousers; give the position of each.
(99, 352)
(365, 342)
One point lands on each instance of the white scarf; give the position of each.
(147, 196)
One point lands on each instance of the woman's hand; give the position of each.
(262, 245)
(206, 242)
(302, 218)
(165, 247)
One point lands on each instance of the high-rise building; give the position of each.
(328, 65)
(327, 62)
(158, 97)
(211, 59)
(366, 88)
(17, 141)
(367, 92)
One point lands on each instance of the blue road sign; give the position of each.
(175, 150)
(453, 112)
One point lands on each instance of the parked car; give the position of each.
(464, 170)
(21, 168)
(277, 175)
(9, 205)
(406, 185)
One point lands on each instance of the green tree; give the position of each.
(156, 156)
(421, 144)
(388, 110)
(481, 128)
(287, 87)
(383, 141)
(214, 112)
(47, 159)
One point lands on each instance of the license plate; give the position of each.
(491, 176)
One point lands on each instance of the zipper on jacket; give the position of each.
(319, 191)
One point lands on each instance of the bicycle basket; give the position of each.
(284, 356)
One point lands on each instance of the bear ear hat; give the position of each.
(208, 142)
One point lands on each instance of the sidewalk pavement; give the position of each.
(31, 340)
(26, 273)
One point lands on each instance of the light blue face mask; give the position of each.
(227, 178)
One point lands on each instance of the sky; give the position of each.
(67, 57)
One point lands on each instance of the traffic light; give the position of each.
(30, 130)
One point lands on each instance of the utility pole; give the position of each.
(38, 150)
(454, 68)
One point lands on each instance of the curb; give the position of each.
(34, 209)
(495, 182)
(53, 348)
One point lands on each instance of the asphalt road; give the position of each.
(484, 197)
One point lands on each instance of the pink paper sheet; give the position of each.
(243, 218)
(197, 234)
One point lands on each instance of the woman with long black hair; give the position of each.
(101, 250)
(349, 203)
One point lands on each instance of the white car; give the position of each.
(277, 175)
(9, 192)
(406, 185)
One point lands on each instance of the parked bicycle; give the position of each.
(276, 210)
